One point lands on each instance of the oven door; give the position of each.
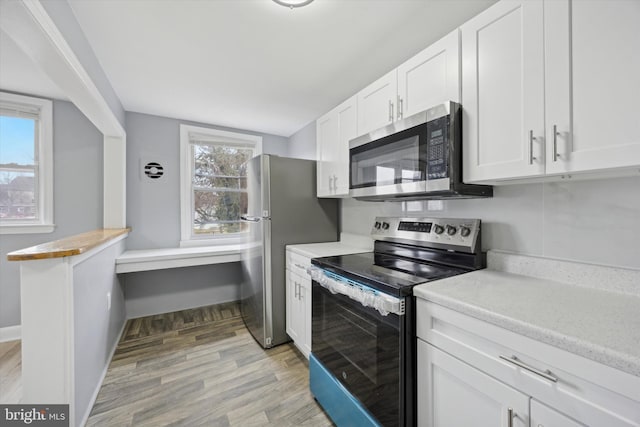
(363, 350)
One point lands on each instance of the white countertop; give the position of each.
(592, 321)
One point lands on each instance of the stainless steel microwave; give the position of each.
(417, 158)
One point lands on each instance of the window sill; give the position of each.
(26, 228)
(198, 243)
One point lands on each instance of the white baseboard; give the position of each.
(10, 333)
(92, 401)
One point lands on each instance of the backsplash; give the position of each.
(592, 221)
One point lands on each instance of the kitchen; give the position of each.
(555, 216)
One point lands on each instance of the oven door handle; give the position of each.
(366, 296)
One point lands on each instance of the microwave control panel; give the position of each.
(438, 148)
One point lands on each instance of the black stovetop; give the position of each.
(387, 273)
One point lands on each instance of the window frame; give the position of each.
(215, 136)
(44, 167)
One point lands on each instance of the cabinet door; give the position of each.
(452, 393)
(347, 117)
(376, 103)
(430, 78)
(503, 92)
(543, 416)
(326, 134)
(592, 84)
(305, 296)
(295, 329)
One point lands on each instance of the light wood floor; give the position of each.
(10, 372)
(201, 367)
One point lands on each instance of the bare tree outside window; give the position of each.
(18, 198)
(219, 188)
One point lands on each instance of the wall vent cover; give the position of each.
(153, 170)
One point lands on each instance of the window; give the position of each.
(26, 165)
(214, 184)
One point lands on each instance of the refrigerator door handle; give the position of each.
(250, 218)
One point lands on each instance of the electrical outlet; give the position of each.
(108, 301)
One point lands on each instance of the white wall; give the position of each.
(595, 221)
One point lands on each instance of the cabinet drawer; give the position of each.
(587, 391)
(297, 263)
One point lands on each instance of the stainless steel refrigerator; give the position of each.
(282, 209)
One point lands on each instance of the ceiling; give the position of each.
(18, 73)
(248, 64)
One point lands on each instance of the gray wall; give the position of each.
(99, 315)
(302, 144)
(153, 213)
(153, 206)
(164, 291)
(595, 221)
(77, 156)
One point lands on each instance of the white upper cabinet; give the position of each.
(550, 87)
(592, 83)
(429, 78)
(333, 132)
(376, 103)
(503, 92)
(326, 135)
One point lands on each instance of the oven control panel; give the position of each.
(445, 233)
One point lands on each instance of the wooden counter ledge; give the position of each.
(69, 246)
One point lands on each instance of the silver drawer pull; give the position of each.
(544, 374)
(531, 139)
(300, 266)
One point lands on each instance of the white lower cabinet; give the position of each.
(543, 416)
(473, 373)
(298, 302)
(452, 393)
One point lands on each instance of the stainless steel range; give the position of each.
(363, 361)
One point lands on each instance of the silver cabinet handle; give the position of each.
(544, 374)
(296, 293)
(390, 111)
(300, 266)
(555, 143)
(335, 183)
(510, 417)
(531, 139)
(400, 107)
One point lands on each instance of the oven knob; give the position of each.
(385, 225)
(465, 231)
(438, 229)
(451, 230)
(377, 225)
